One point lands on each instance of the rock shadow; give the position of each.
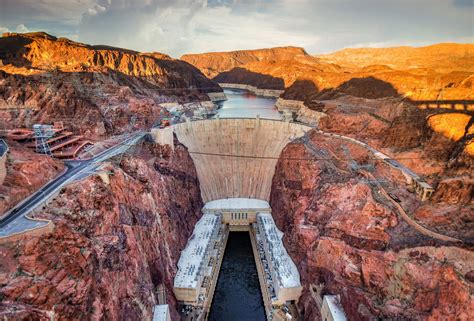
(243, 76)
(367, 87)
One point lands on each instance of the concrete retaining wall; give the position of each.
(3, 160)
(163, 136)
(3, 168)
(308, 116)
(289, 105)
(236, 157)
(220, 96)
(274, 93)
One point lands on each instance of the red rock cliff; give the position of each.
(214, 63)
(342, 233)
(116, 242)
(96, 89)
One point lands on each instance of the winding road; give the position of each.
(16, 220)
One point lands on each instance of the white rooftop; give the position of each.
(287, 273)
(335, 307)
(193, 255)
(424, 184)
(236, 204)
(160, 312)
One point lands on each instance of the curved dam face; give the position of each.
(235, 157)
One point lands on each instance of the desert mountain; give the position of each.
(443, 57)
(442, 71)
(97, 88)
(214, 63)
(33, 53)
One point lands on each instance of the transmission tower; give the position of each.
(42, 134)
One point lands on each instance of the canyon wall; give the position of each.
(440, 71)
(94, 90)
(235, 157)
(31, 53)
(26, 172)
(348, 238)
(116, 242)
(213, 63)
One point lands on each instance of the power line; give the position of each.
(300, 158)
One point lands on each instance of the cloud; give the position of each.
(181, 26)
(21, 28)
(97, 8)
(178, 27)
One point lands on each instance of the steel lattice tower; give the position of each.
(42, 134)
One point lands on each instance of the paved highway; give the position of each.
(16, 220)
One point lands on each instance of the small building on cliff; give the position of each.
(3, 160)
(161, 313)
(332, 309)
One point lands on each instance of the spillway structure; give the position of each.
(235, 160)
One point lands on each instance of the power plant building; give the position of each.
(238, 213)
(283, 276)
(195, 263)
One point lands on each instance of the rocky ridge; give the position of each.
(431, 72)
(116, 242)
(343, 234)
(443, 57)
(96, 89)
(214, 63)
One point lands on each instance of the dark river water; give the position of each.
(243, 104)
(237, 296)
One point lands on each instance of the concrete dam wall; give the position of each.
(234, 158)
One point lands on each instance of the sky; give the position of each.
(176, 27)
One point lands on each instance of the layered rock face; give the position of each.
(436, 72)
(444, 57)
(40, 52)
(115, 245)
(342, 233)
(22, 179)
(44, 78)
(214, 63)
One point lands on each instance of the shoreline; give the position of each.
(271, 93)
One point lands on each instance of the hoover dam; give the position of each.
(235, 160)
(240, 160)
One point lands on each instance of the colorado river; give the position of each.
(238, 296)
(243, 104)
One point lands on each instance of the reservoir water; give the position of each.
(237, 296)
(244, 104)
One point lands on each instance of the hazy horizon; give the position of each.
(197, 26)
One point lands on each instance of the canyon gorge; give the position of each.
(350, 221)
